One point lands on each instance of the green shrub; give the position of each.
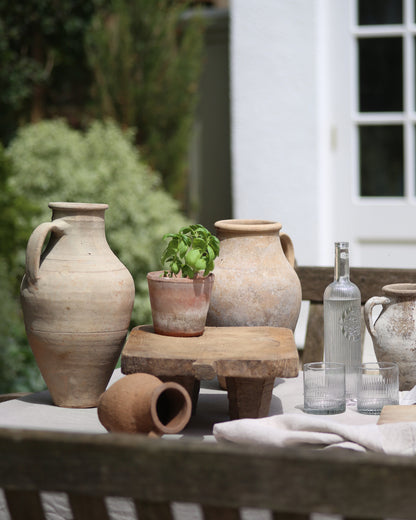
(43, 65)
(56, 163)
(146, 65)
(18, 370)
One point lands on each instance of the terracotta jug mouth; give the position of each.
(76, 206)
(248, 225)
(171, 407)
(404, 289)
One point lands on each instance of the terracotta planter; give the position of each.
(77, 299)
(179, 305)
(141, 403)
(394, 331)
(255, 282)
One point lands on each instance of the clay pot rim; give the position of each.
(85, 206)
(400, 289)
(181, 420)
(157, 277)
(248, 225)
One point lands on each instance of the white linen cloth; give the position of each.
(347, 430)
(307, 430)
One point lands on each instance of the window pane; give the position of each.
(381, 161)
(374, 12)
(380, 74)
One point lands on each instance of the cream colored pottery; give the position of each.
(394, 331)
(141, 403)
(255, 280)
(77, 298)
(179, 305)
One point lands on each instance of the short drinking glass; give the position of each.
(324, 388)
(377, 386)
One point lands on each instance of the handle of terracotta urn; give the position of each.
(288, 248)
(35, 243)
(368, 312)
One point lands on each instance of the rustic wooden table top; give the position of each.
(254, 352)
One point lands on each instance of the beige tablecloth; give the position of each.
(38, 412)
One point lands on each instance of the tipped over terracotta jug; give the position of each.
(255, 280)
(141, 403)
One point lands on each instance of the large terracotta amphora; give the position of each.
(255, 280)
(77, 298)
(394, 331)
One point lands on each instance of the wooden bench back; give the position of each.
(314, 280)
(222, 478)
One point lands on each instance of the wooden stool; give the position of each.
(248, 358)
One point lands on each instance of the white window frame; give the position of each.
(407, 118)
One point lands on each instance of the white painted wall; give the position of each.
(278, 121)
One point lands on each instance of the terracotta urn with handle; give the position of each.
(77, 298)
(255, 280)
(394, 330)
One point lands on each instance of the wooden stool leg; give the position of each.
(249, 397)
(191, 385)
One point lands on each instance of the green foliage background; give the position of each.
(135, 61)
(96, 105)
(146, 67)
(43, 68)
(18, 372)
(56, 163)
(53, 162)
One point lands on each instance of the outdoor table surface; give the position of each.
(36, 411)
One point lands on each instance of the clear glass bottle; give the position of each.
(342, 319)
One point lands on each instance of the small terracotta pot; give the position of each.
(141, 403)
(179, 305)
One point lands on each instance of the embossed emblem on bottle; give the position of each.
(350, 323)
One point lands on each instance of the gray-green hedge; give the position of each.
(53, 162)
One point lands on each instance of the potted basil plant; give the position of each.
(181, 292)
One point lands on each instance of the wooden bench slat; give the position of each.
(220, 475)
(24, 505)
(153, 511)
(361, 518)
(221, 513)
(88, 507)
(370, 280)
(290, 516)
(313, 349)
